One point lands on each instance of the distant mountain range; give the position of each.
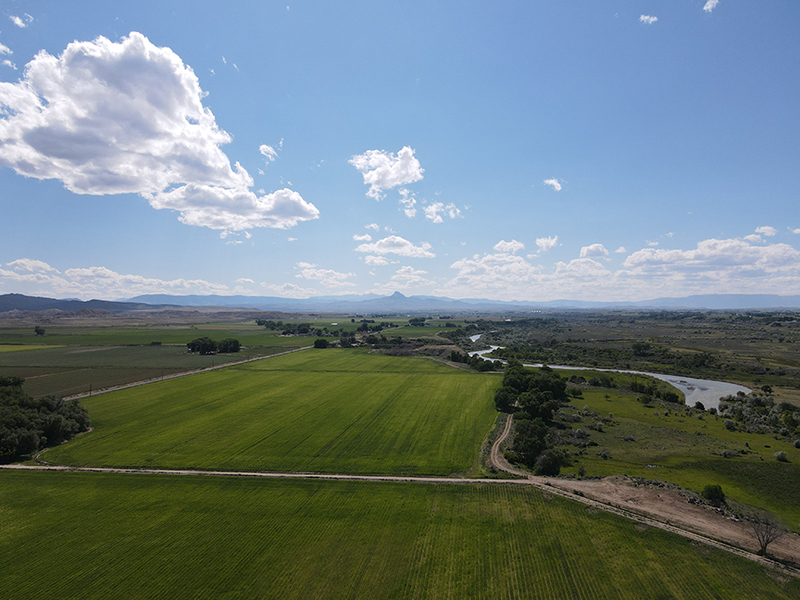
(396, 303)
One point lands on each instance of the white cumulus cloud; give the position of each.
(594, 251)
(547, 243)
(647, 19)
(710, 5)
(384, 170)
(394, 244)
(554, 183)
(5, 49)
(127, 117)
(363, 238)
(512, 246)
(766, 230)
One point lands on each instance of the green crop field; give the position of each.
(684, 446)
(97, 535)
(68, 370)
(344, 411)
(249, 334)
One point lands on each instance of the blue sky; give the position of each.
(619, 150)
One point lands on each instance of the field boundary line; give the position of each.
(184, 374)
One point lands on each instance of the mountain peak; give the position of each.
(397, 296)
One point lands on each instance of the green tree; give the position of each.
(228, 346)
(203, 345)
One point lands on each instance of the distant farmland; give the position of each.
(343, 411)
(85, 535)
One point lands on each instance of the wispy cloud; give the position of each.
(409, 202)
(554, 183)
(22, 21)
(384, 170)
(327, 277)
(435, 211)
(647, 19)
(270, 153)
(142, 129)
(375, 261)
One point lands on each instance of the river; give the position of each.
(707, 391)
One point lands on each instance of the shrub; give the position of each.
(699, 405)
(781, 456)
(550, 462)
(321, 343)
(713, 493)
(797, 444)
(730, 425)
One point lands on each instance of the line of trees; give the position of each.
(476, 362)
(205, 345)
(534, 398)
(28, 424)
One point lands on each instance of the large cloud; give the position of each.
(730, 256)
(127, 117)
(39, 278)
(383, 170)
(394, 244)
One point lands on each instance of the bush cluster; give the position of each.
(759, 414)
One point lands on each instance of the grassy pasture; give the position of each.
(91, 535)
(684, 449)
(343, 411)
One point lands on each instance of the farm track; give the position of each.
(496, 458)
